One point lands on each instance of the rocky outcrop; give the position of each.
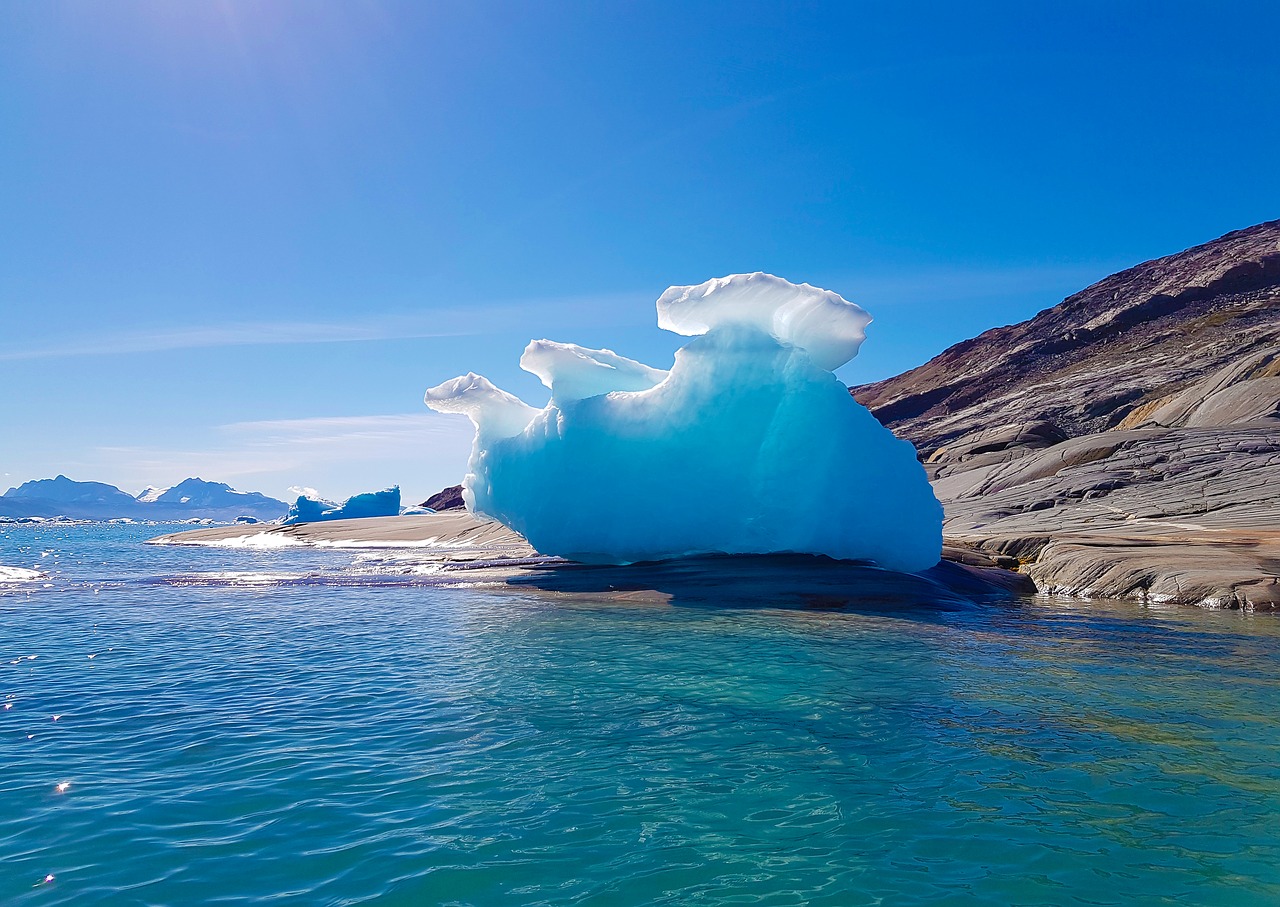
(1124, 443)
(448, 499)
(1166, 514)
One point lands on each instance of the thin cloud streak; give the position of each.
(541, 315)
(478, 320)
(243, 334)
(349, 430)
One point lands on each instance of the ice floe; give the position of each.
(19, 575)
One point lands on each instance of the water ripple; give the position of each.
(412, 742)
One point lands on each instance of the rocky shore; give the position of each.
(1124, 443)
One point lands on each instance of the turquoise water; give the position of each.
(237, 727)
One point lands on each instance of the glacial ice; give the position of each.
(494, 412)
(826, 326)
(374, 503)
(576, 373)
(748, 445)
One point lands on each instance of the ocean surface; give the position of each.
(241, 726)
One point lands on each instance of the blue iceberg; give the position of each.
(373, 503)
(748, 445)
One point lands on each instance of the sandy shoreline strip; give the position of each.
(484, 548)
(457, 535)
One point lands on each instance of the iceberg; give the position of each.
(18, 575)
(374, 503)
(747, 445)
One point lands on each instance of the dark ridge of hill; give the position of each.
(1098, 356)
(1125, 442)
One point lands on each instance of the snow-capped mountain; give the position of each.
(199, 494)
(149, 494)
(191, 498)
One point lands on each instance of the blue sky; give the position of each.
(238, 240)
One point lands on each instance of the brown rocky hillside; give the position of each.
(1125, 441)
(1101, 355)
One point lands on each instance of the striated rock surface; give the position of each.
(1125, 442)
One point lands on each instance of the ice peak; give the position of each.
(822, 323)
(494, 412)
(576, 372)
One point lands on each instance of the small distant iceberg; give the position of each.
(9, 575)
(748, 445)
(316, 510)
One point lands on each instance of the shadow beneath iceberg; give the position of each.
(800, 582)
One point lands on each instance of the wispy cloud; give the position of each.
(478, 319)
(539, 316)
(372, 435)
(243, 334)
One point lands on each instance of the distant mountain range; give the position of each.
(189, 499)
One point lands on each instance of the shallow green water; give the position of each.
(320, 728)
